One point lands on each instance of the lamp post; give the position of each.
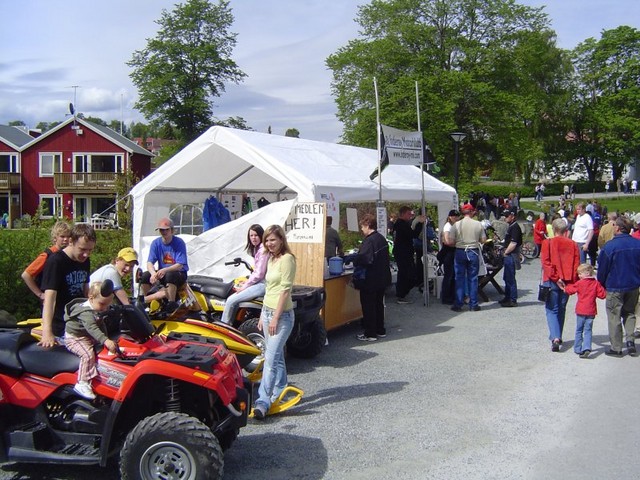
(457, 138)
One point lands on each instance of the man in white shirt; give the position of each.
(582, 231)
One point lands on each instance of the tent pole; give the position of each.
(425, 270)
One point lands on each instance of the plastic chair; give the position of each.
(435, 273)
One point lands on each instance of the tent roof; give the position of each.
(225, 159)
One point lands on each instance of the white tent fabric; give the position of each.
(229, 160)
(209, 251)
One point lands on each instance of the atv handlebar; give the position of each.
(237, 261)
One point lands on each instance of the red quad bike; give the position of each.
(168, 407)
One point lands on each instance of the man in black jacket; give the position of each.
(404, 253)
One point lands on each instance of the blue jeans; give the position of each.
(466, 266)
(249, 293)
(556, 307)
(274, 371)
(509, 277)
(583, 254)
(584, 326)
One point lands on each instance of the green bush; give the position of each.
(19, 247)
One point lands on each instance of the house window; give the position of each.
(52, 206)
(187, 218)
(50, 163)
(98, 163)
(9, 163)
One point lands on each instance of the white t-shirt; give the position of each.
(108, 271)
(581, 228)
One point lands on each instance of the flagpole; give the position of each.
(375, 88)
(425, 266)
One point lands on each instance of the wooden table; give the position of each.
(342, 303)
(487, 279)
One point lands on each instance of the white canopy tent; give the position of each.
(225, 160)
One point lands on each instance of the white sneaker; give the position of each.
(84, 390)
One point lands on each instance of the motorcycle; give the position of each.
(308, 336)
(160, 402)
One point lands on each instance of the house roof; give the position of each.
(14, 137)
(105, 132)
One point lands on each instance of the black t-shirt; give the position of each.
(68, 278)
(514, 234)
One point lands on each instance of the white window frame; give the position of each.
(14, 165)
(56, 156)
(56, 201)
(118, 164)
(177, 215)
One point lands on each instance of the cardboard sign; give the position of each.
(306, 223)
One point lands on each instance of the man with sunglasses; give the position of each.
(167, 263)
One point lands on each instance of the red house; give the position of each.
(73, 168)
(12, 139)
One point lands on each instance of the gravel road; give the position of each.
(471, 395)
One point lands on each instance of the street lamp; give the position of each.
(457, 138)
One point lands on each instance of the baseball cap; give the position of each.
(164, 223)
(467, 207)
(509, 211)
(128, 254)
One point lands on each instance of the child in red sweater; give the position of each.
(588, 289)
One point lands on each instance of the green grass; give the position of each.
(622, 203)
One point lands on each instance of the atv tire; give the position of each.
(250, 328)
(171, 446)
(309, 341)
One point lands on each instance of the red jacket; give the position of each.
(539, 231)
(587, 289)
(560, 259)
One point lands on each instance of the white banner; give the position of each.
(400, 147)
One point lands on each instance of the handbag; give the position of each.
(358, 277)
(543, 292)
(543, 289)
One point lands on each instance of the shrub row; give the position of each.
(19, 247)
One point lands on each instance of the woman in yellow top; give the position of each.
(276, 319)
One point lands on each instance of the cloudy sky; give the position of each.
(47, 46)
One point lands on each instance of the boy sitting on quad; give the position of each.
(84, 328)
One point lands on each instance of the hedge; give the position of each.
(18, 247)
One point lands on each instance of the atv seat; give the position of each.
(210, 286)
(10, 342)
(48, 362)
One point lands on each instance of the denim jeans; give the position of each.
(249, 293)
(509, 277)
(584, 327)
(556, 307)
(274, 371)
(583, 254)
(466, 266)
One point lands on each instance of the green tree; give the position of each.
(292, 132)
(186, 65)
(17, 123)
(605, 105)
(96, 120)
(235, 122)
(484, 68)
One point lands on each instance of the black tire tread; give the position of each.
(172, 424)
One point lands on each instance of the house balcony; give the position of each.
(9, 181)
(86, 182)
